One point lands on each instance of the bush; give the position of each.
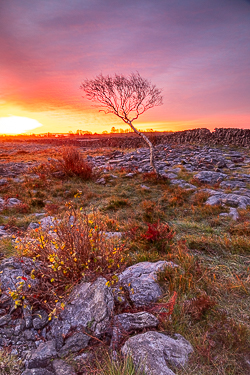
(71, 164)
(76, 247)
(158, 235)
(74, 164)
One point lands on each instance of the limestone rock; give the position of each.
(241, 201)
(42, 356)
(37, 371)
(123, 323)
(209, 177)
(4, 320)
(15, 272)
(33, 225)
(140, 282)
(155, 351)
(74, 343)
(11, 202)
(62, 368)
(89, 307)
(40, 319)
(233, 213)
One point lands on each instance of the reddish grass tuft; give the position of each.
(74, 164)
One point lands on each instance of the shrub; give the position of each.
(74, 164)
(22, 208)
(77, 247)
(52, 208)
(158, 235)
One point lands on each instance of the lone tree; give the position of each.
(126, 97)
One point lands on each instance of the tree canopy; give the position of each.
(126, 97)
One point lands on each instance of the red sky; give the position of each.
(197, 51)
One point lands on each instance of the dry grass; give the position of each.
(212, 281)
(74, 165)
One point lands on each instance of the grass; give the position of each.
(9, 364)
(165, 222)
(118, 366)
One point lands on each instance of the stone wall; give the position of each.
(221, 136)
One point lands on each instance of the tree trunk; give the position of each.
(151, 147)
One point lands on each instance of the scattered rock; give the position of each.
(3, 181)
(62, 368)
(101, 181)
(74, 343)
(124, 323)
(37, 371)
(48, 222)
(209, 177)
(140, 282)
(89, 307)
(241, 201)
(42, 356)
(155, 351)
(33, 226)
(233, 213)
(145, 187)
(113, 234)
(40, 319)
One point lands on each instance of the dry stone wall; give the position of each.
(221, 136)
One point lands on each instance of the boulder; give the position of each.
(89, 307)
(124, 323)
(155, 352)
(42, 356)
(140, 282)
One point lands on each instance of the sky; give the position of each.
(196, 51)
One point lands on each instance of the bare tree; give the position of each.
(126, 97)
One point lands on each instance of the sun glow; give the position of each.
(17, 124)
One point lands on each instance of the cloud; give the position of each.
(197, 51)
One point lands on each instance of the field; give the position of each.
(157, 221)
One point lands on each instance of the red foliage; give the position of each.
(158, 232)
(164, 310)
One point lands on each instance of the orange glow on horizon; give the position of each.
(64, 120)
(17, 125)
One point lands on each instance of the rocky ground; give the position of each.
(221, 173)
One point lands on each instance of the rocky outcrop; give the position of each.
(155, 352)
(88, 312)
(209, 177)
(89, 308)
